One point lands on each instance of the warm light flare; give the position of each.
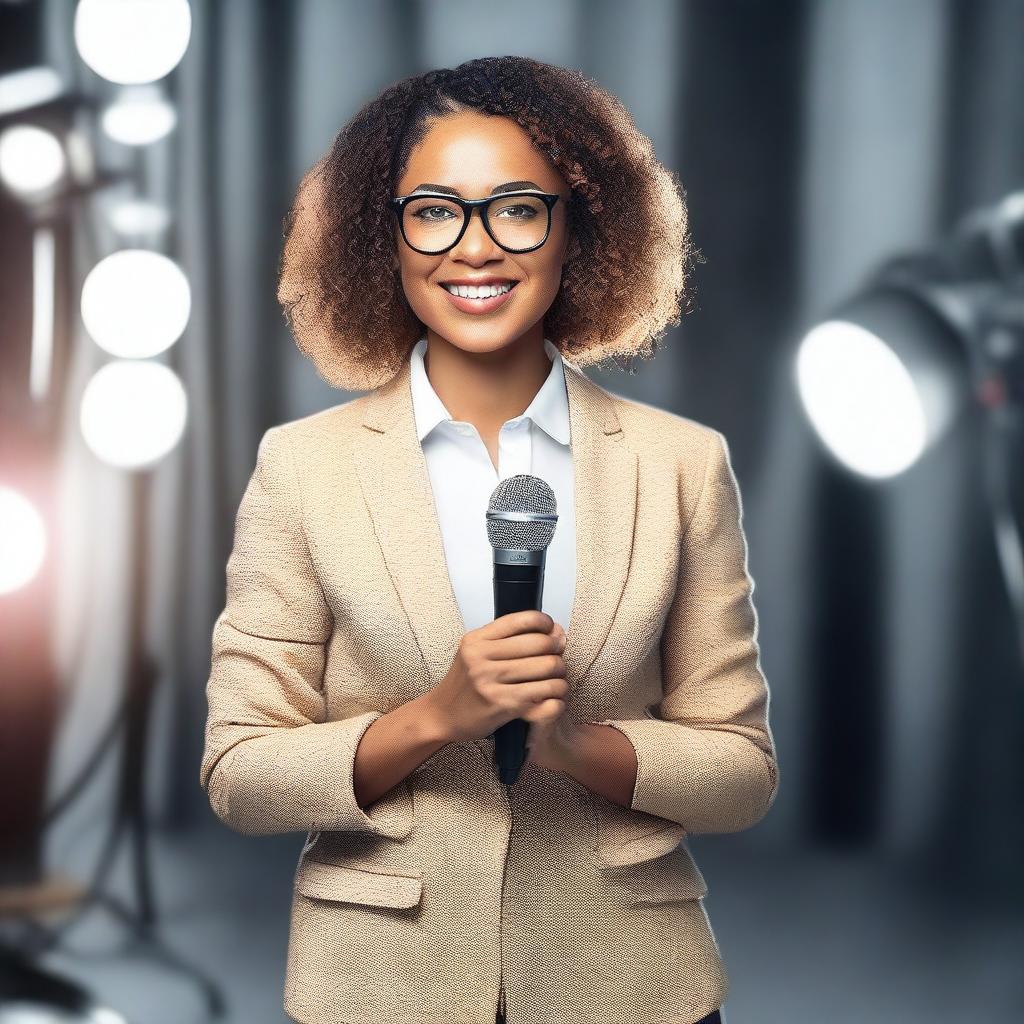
(22, 540)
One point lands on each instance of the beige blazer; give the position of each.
(453, 891)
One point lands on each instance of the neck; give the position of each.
(487, 388)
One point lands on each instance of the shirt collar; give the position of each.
(549, 408)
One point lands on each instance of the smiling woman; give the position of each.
(468, 229)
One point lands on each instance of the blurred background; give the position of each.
(855, 180)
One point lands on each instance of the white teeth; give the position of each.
(468, 291)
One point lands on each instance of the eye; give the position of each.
(526, 212)
(423, 210)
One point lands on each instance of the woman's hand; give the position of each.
(550, 744)
(509, 668)
(552, 732)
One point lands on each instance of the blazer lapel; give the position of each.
(395, 481)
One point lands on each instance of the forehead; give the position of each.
(473, 152)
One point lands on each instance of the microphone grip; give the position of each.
(517, 588)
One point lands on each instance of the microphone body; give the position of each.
(518, 587)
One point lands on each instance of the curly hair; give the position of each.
(626, 267)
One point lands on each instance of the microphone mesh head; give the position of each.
(521, 493)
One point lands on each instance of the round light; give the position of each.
(135, 303)
(133, 413)
(138, 217)
(22, 540)
(861, 399)
(132, 41)
(139, 117)
(31, 159)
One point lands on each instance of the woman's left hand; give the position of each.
(551, 735)
(550, 743)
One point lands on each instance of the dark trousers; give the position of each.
(714, 1017)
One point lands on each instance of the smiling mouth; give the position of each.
(482, 306)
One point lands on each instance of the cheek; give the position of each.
(413, 277)
(424, 298)
(551, 275)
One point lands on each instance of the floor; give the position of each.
(810, 937)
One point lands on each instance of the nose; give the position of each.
(475, 238)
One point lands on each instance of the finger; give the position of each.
(550, 711)
(529, 621)
(545, 713)
(546, 665)
(539, 690)
(523, 645)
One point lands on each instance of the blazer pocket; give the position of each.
(623, 836)
(347, 884)
(673, 876)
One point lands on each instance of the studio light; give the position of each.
(140, 116)
(31, 159)
(133, 413)
(132, 42)
(880, 380)
(136, 303)
(929, 339)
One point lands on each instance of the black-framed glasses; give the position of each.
(433, 223)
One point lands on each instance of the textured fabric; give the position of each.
(452, 886)
(462, 477)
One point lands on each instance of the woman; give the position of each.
(358, 673)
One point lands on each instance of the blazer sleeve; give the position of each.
(708, 761)
(271, 762)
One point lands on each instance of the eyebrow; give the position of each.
(509, 186)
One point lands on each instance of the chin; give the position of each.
(477, 337)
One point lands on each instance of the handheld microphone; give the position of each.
(521, 518)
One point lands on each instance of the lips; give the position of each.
(479, 306)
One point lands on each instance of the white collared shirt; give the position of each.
(463, 476)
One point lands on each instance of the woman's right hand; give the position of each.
(500, 672)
